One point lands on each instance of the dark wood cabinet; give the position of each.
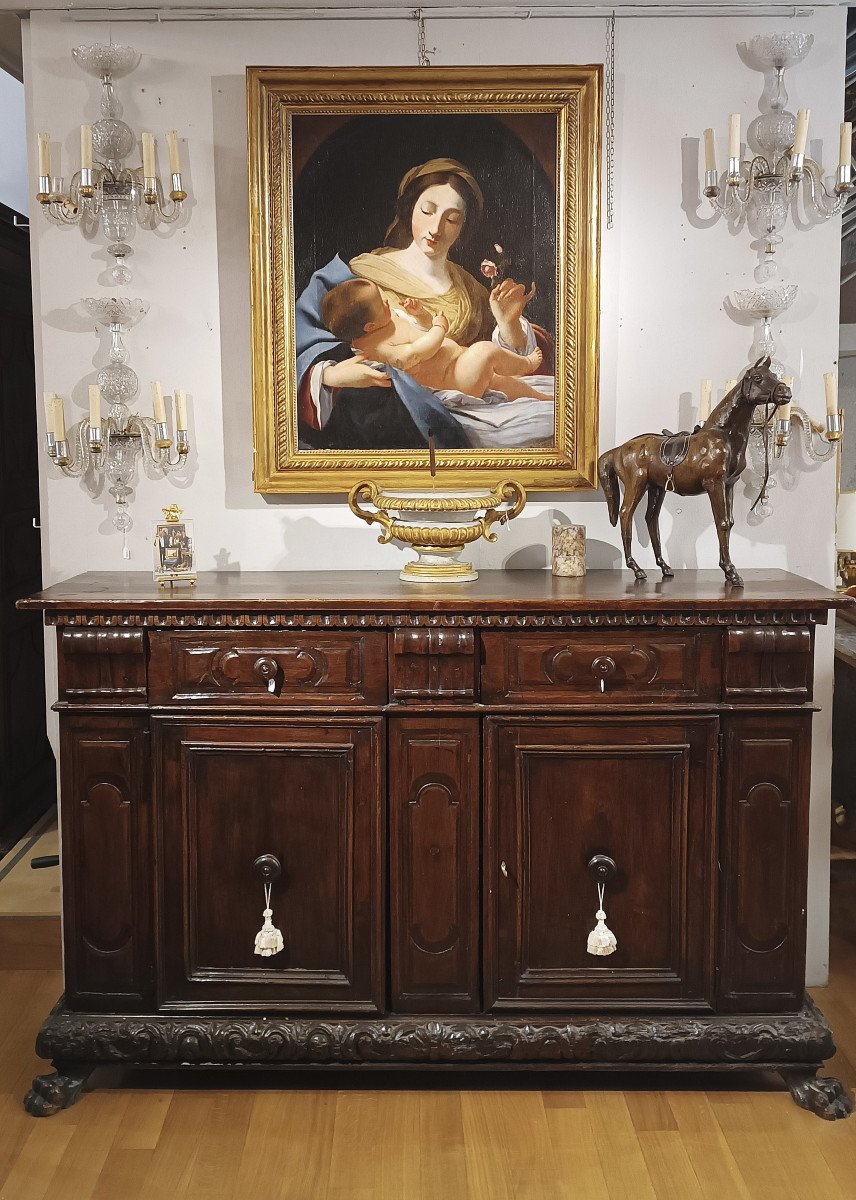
(437, 775)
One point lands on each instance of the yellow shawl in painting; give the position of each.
(465, 305)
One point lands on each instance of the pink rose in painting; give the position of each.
(488, 269)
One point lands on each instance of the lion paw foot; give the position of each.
(52, 1093)
(826, 1097)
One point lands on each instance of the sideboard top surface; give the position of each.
(382, 591)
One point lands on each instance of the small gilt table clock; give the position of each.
(173, 549)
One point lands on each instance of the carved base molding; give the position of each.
(794, 1044)
(802, 1037)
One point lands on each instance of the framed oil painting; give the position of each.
(424, 262)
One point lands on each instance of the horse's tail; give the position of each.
(608, 477)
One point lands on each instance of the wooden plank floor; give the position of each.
(274, 1137)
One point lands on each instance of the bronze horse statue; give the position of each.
(710, 459)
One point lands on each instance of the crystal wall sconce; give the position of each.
(105, 189)
(762, 305)
(110, 446)
(762, 187)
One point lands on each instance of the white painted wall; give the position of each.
(14, 185)
(666, 268)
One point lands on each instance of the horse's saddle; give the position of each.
(674, 448)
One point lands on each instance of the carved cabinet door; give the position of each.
(306, 793)
(638, 791)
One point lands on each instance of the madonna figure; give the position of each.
(345, 402)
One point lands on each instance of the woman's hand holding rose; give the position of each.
(354, 373)
(507, 302)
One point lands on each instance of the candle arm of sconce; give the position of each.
(826, 203)
(813, 435)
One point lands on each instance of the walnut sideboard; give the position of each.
(431, 771)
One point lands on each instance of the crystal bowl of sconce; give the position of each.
(106, 59)
(437, 524)
(115, 310)
(761, 303)
(778, 51)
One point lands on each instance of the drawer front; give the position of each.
(256, 668)
(623, 667)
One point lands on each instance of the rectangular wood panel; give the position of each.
(765, 832)
(106, 859)
(434, 863)
(563, 791)
(306, 793)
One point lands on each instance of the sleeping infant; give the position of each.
(356, 313)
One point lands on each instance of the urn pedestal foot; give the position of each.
(825, 1097)
(52, 1093)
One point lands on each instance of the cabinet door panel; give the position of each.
(562, 791)
(106, 862)
(307, 794)
(765, 831)
(434, 863)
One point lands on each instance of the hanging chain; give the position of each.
(421, 48)
(609, 115)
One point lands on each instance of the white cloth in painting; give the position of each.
(489, 431)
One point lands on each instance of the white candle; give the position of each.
(148, 156)
(180, 409)
(158, 407)
(709, 151)
(830, 387)
(704, 399)
(44, 154)
(172, 148)
(59, 418)
(49, 412)
(94, 405)
(785, 412)
(734, 135)
(802, 131)
(729, 384)
(85, 146)
(845, 144)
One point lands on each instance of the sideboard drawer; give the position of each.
(627, 667)
(256, 668)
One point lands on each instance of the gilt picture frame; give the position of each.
(424, 253)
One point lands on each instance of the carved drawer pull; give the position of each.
(267, 670)
(603, 666)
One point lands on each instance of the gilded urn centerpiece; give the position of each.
(437, 524)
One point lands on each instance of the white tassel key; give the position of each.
(269, 940)
(601, 940)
